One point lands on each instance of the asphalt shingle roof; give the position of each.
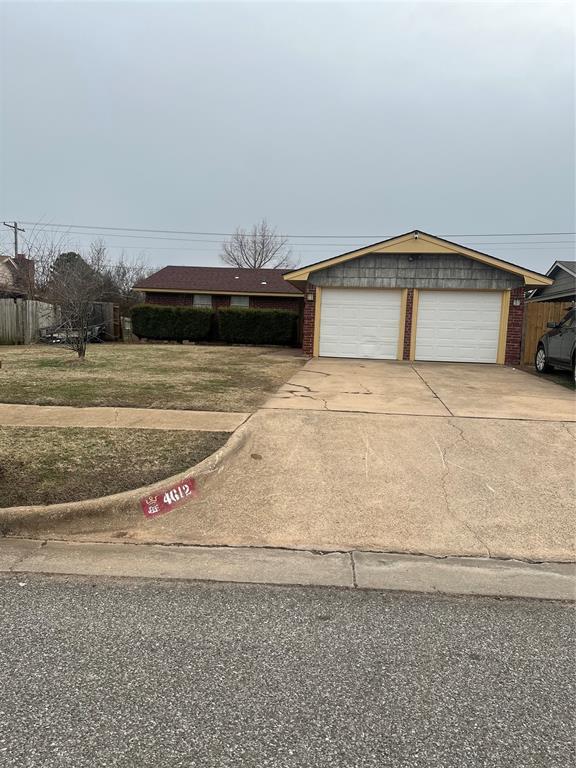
(219, 279)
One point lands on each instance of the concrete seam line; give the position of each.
(436, 395)
(104, 506)
(312, 551)
(353, 567)
(22, 559)
(561, 422)
(472, 560)
(355, 587)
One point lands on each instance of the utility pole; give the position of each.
(16, 228)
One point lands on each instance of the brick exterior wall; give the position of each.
(169, 299)
(515, 328)
(308, 321)
(276, 302)
(257, 302)
(408, 324)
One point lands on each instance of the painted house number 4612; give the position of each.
(176, 494)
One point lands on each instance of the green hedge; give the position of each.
(150, 321)
(237, 325)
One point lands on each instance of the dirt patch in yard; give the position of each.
(53, 465)
(203, 378)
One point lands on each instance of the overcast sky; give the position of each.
(336, 119)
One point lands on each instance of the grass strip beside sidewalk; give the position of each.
(44, 465)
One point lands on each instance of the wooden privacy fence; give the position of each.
(21, 320)
(536, 315)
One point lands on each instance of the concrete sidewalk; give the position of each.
(363, 570)
(126, 418)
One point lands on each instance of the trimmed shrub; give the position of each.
(238, 325)
(151, 321)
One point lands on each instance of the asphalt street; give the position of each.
(110, 672)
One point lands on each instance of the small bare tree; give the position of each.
(74, 285)
(259, 248)
(75, 281)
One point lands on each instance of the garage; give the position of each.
(415, 296)
(360, 323)
(458, 326)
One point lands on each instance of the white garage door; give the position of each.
(359, 322)
(458, 326)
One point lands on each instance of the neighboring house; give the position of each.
(415, 297)
(221, 287)
(563, 273)
(548, 304)
(16, 277)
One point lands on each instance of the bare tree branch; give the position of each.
(74, 281)
(43, 250)
(259, 248)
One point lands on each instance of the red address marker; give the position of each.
(167, 499)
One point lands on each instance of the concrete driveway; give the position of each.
(424, 389)
(436, 459)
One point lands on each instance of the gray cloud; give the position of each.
(326, 118)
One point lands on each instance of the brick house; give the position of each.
(415, 297)
(221, 287)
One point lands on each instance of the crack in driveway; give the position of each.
(444, 479)
(312, 397)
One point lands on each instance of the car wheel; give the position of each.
(541, 361)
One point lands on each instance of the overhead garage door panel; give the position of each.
(458, 326)
(359, 323)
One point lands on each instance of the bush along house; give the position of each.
(223, 288)
(415, 297)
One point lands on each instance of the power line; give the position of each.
(320, 237)
(183, 249)
(315, 245)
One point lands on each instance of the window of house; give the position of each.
(202, 300)
(239, 301)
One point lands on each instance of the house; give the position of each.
(548, 304)
(16, 277)
(221, 287)
(415, 297)
(563, 273)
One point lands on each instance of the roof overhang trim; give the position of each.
(420, 242)
(220, 293)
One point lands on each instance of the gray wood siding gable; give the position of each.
(424, 270)
(564, 286)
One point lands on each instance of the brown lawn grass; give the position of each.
(41, 465)
(214, 378)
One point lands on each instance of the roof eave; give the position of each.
(530, 278)
(214, 292)
(559, 265)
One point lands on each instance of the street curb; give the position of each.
(257, 565)
(40, 519)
